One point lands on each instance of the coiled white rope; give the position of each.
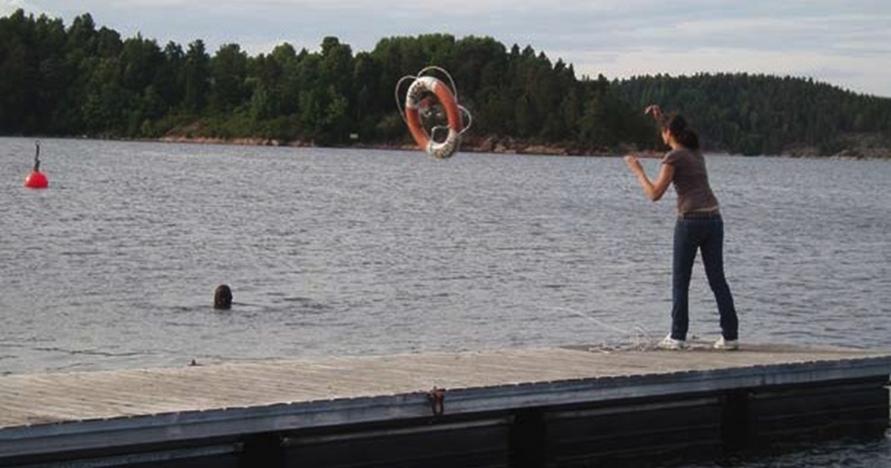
(454, 88)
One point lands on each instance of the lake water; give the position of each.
(337, 251)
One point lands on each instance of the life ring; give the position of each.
(417, 90)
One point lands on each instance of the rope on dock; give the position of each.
(638, 338)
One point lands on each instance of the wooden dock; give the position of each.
(517, 407)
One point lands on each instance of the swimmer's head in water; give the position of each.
(222, 297)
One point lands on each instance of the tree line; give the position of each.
(82, 79)
(760, 114)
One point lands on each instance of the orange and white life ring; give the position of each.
(429, 84)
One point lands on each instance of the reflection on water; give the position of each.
(854, 453)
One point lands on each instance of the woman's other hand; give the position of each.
(633, 163)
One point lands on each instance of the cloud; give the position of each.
(850, 72)
(10, 6)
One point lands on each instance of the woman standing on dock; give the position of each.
(699, 226)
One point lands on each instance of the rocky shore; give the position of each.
(497, 145)
(856, 148)
(850, 146)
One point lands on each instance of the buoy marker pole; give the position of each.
(36, 179)
(37, 156)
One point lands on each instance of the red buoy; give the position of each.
(36, 180)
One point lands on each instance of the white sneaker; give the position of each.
(670, 343)
(726, 345)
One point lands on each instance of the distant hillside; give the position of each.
(81, 79)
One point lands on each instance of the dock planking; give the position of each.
(42, 414)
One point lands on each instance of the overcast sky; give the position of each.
(847, 43)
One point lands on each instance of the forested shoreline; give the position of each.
(85, 80)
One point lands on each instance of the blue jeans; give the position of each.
(706, 234)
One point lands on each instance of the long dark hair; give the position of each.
(677, 127)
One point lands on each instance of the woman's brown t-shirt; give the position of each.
(691, 181)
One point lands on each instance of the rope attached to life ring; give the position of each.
(424, 84)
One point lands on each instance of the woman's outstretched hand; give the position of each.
(654, 110)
